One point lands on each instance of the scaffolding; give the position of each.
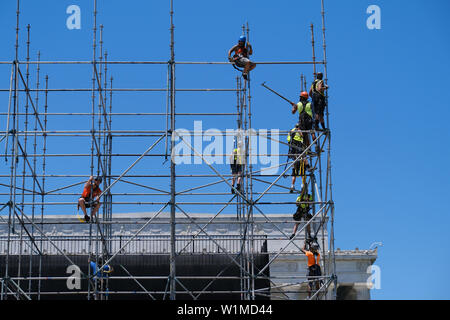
(29, 189)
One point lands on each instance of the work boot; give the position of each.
(86, 218)
(292, 236)
(245, 75)
(232, 190)
(292, 189)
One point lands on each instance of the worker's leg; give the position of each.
(239, 169)
(308, 231)
(247, 67)
(250, 66)
(322, 110)
(97, 206)
(322, 122)
(293, 184)
(82, 205)
(314, 106)
(295, 228)
(306, 138)
(233, 173)
(294, 231)
(309, 284)
(295, 173)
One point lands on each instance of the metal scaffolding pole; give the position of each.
(171, 89)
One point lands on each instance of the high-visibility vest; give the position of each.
(306, 109)
(297, 136)
(304, 205)
(237, 159)
(314, 86)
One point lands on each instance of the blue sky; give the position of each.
(389, 105)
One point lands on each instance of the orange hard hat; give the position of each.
(304, 94)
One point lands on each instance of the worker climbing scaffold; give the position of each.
(296, 148)
(90, 197)
(303, 213)
(317, 92)
(314, 270)
(237, 168)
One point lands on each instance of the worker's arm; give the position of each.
(250, 49)
(321, 87)
(304, 248)
(294, 108)
(88, 183)
(231, 51)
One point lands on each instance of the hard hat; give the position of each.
(242, 39)
(314, 246)
(297, 125)
(304, 94)
(99, 179)
(320, 75)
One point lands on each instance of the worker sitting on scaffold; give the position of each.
(242, 51)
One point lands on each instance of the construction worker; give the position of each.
(242, 51)
(107, 269)
(305, 115)
(236, 168)
(89, 198)
(296, 147)
(314, 270)
(303, 213)
(317, 92)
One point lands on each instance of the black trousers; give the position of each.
(318, 103)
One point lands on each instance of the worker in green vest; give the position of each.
(296, 148)
(303, 201)
(305, 116)
(237, 164)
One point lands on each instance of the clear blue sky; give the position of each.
(389, 106)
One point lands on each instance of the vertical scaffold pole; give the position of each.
(250, 192)
(14, 158)
(25, 145)
(33, 208)
(325, 73)
(313, 50)
(94, 59)
(44, 152)
(172, 162)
